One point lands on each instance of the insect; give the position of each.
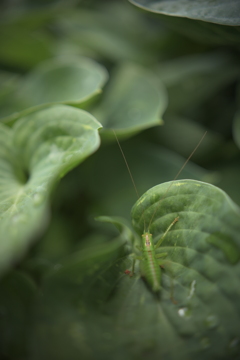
(150, 261)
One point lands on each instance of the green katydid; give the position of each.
(150, 261)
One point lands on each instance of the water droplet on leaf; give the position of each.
(184, 312)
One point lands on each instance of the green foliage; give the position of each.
(203, 254)
(68, 81)
(35, 153)
(203, 21)
(134, 100)
(220, 12)
(68, 73)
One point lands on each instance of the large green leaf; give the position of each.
(134, 100)
(197, 29)
(69, 81)
(197, 312)
(34, 154)
(201, 272)
(225, 12)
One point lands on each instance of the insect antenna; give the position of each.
(179, 172)
(128, 168)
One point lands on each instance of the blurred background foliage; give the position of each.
(170, 79)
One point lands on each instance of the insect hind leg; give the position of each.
(166, 232)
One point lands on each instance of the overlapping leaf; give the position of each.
(34, 154)
(133, 101)
(204, 22)
(221, 12)
(201, 272)
(69, 81)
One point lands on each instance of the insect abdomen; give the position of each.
(151, 270)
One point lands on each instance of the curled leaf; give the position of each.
(39, 149)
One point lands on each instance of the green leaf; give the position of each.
(187, 199)
(225, 12)
(34, 154)
(201, 32)
(133, 101)
(201, 271)
(69, 81)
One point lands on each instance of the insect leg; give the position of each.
(134, 260)
(135, 257)
(133, 264)
(168, 229)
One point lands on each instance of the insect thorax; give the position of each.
(147, 241)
